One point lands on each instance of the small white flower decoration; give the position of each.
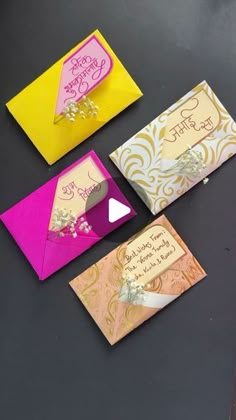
(84, 109)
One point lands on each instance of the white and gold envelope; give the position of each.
(179, 148)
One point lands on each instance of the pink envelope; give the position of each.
(81, 196)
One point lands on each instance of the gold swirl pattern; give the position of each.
(91, 276)
(139, 159)
(99, 286)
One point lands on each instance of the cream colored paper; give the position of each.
(150, 163)
(74, 188)
(151, 254)
(189, 124)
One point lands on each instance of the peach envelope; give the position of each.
(90, 69)
(137, 279)
(66, 216)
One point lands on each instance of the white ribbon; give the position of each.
(148, 299)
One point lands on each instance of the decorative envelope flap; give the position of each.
(92, 82)
(77, 192)
(137, 279)
(196, 118)
(178, 149)
(82, 72)
(66, 216)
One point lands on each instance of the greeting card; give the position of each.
(137, 279)
(67, 215)
(178, 149)
(74, 98)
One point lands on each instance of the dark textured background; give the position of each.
(54, 362)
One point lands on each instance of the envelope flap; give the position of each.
(198, 121)
(57, 255)
(83, 71)
(115, 89)
(28, 222)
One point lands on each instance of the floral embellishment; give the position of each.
(190, 163)
(132, 291)
(65, 223)
(84, 109)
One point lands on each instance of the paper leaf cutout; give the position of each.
(83, 71)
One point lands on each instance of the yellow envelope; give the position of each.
(34, 107)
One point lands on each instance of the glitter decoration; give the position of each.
(84, 109)
(65, 223)
(190, 163)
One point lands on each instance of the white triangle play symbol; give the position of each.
(116, 210)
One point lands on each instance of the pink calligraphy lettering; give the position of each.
(71, 190)
(83, 71)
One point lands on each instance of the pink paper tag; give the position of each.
(82, 72)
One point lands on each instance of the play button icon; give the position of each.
(113, 211)
(116, 210)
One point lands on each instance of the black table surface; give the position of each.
(54, 361)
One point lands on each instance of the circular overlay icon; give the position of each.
(111, 204)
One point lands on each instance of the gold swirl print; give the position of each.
(150, 143)
(112, 306)
(91, 277)
(126, 150)
(116, 318)
(133, 159)
(178, 179)
(233, 127)
(205, 152)
(185, 184)
(117, 266)
(155, 285)
(89, 293)
(193, 271)
(231, 141)
(178, 287)
(151, 178)
(162, 120)
(168, 189)
(144, 149)
(161, 203)
(120, 255)
(140, 159)
(108, 326)
(133, 313)
(229, 153)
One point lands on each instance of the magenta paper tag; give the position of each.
(82, 72)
